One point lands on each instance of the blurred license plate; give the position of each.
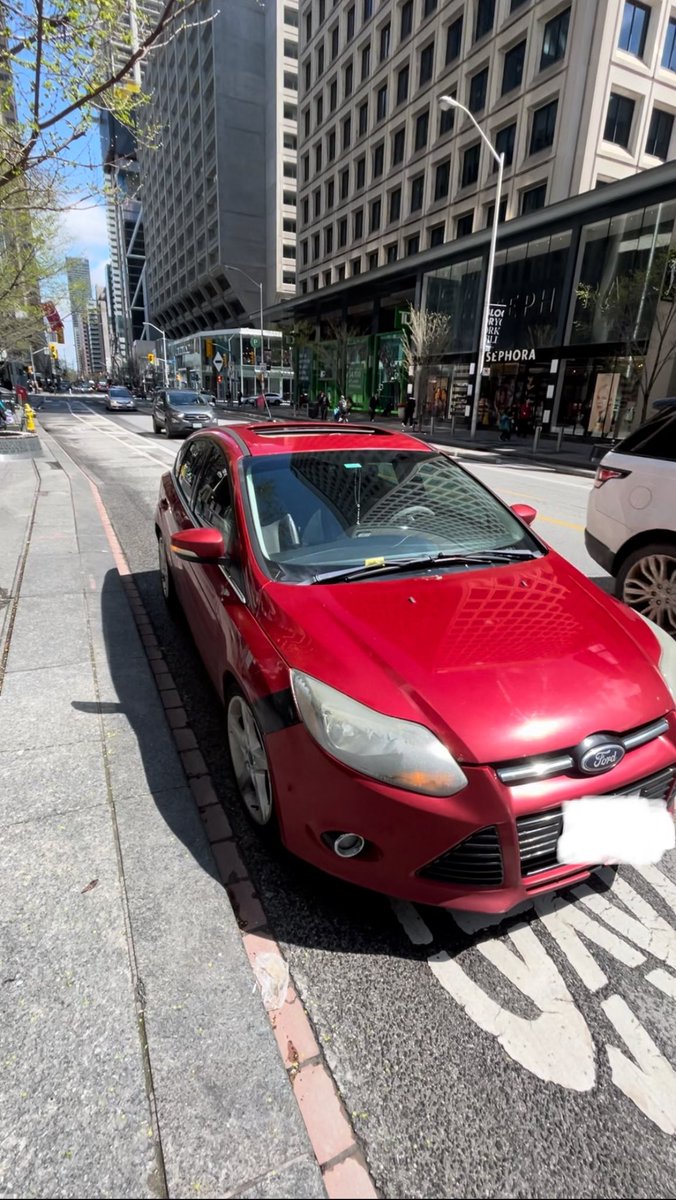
(197, 424)
(615, 829)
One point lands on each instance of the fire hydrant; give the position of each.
(30, 417)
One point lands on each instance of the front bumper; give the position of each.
(487, 825)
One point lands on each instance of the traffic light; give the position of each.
(151, 358)
(219, 378)
(54, 350)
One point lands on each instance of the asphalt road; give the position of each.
(534, 1058)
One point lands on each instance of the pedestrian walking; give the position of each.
(409, 412)
(373, 405)
(505, 426)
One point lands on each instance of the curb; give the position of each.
(338, 1154)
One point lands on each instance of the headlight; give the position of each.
(400, 753)
(667, 663)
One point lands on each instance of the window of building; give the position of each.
(502, 212)
(290, 140)
(470, 165)
(417, 192)
(319, 105)
(555, 39)
(322, 10)
(426, 64)
(304, 252)
(303, 287)
(376, 212)
(341, 272)
(533, 198)
(318, 156)
(306, 210)
(485, 16)
(516, 4)
(669, 52)
(358, 223)
(385, 41)
(436, 234)
(360, 172)
(290, 81)
(320, 60)
(349, 24)
(306, 122)
(288, 225)
(363, 118)
(442, 179)
(421, 130)
(315, 247)
(306, 167)
(308, 26)
(402, 84)
(544, 124)
(368, 9)
(335, 34)
(446, 120)
(634, 28)
(395, 204)
(464, 224)
(512, 73)
(289, 170)
(317, 201)
(345, 183)
(391, 252)
(413, 244)
(478, 86)
(619, 119)
(330, 193)
(290, 49)
(331, 146)
(453, 41)
(327, 278)
(328, 239)
(398, 140)
(314, 280)
(373, 260)
(308, 75)
(406, 22)
(342, 232)
(381, 103)
(290, 112)
(659, 134)
(365, 61)
(333, 95)
(348, 80)
(378, 163)
(347, 132)
(504, 144)
(356, 266)
(291, 17)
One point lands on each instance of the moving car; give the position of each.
(631, 518)
(414, 683)
(179, 411)
(120, 399)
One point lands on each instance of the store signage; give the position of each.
(495, 314)
(505, 356)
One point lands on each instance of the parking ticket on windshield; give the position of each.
(615, 829)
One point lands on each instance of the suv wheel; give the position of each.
(647, 581)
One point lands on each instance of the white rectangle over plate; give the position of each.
(615, 829)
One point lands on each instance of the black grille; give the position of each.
(539, 832)
(476, 861)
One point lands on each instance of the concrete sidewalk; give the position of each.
(135, 1059)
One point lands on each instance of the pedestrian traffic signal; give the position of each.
(220, 378)
(151, 358)
(54, 350)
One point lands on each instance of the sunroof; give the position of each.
(338, 430)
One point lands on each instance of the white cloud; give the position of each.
(84, 227)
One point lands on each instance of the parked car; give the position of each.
(414, 683)
(179, 411)
(102, 386)
(120, 398)
(631, 518)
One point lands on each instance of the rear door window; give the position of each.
(656, 439)
(213, 502)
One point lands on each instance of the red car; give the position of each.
(414, 683)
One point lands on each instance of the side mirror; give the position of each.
(198, 545)
(524, 512)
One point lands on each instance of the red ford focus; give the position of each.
(415, 685)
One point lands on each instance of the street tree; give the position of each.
(332, 351)
(426, 337)
(61, 62)
(637, 310)
(31, 266)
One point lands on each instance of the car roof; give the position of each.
(262, 438)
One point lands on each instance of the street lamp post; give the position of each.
(163, 335)
(259, 285)
(451, 102)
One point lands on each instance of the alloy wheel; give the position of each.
(249, 760)
(650, 588)
(165, 578)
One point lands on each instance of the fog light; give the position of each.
(348, 845)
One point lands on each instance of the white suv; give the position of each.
(631, 518)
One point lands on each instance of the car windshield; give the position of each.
(186, 399)
(315, 514)
(120, 392)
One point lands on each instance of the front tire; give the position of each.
(156, 428)
(647, 582)
(250, 763)
(166, 580)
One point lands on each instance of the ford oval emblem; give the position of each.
(602, 758)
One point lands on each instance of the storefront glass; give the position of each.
(456, 291)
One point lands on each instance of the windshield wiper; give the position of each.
(395, 565)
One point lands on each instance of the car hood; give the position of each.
(501, 663)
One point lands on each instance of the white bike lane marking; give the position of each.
(557, 1044)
